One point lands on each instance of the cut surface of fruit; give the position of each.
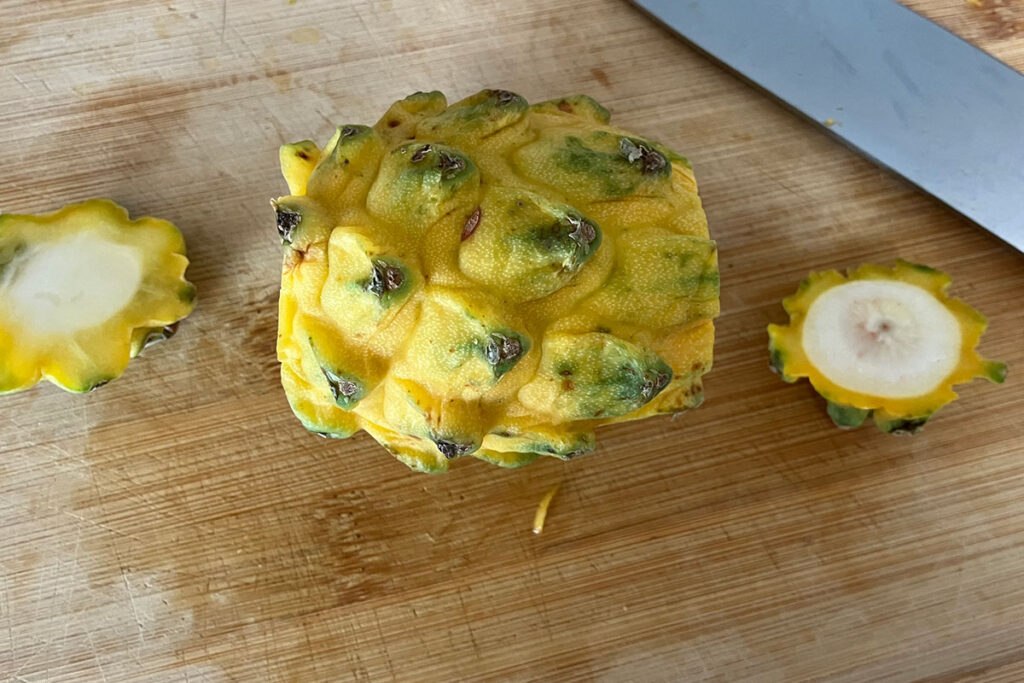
(883, 337)
(83, 290)
(491, 279)
(77, 282)
(886, 343)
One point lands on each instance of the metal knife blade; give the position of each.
(904, 91)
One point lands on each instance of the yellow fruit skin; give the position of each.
(442, 268)
(297, 162)
(93, 356)
(790, 361)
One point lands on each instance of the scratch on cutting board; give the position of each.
(383, 640)
(41, 650)
(20, 82)
(100, 525)
(223, 19)
(131, 601)
(469, 623)
(96, 656)
(382, 54)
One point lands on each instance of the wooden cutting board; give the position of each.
(180, 525)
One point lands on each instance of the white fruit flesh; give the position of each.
(882, 337)
(66, 286)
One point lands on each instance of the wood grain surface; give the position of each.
(180, 525)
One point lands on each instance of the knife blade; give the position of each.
(905, 92)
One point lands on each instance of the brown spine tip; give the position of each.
(449, 165)
(641, 155)
(505, 97)
(384, 278)
(652, 386)
(420, 154)
(452, 449)
(287, 221)
(159, 335)
(501, 348)
(583, 233)
(340, 387)
(471, 224)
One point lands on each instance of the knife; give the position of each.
(900, 89)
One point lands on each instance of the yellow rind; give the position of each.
(297, 162)
(424, 388)
(93, 356)
(789, 359)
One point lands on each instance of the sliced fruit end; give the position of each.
(83, 290)
(886, 343)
